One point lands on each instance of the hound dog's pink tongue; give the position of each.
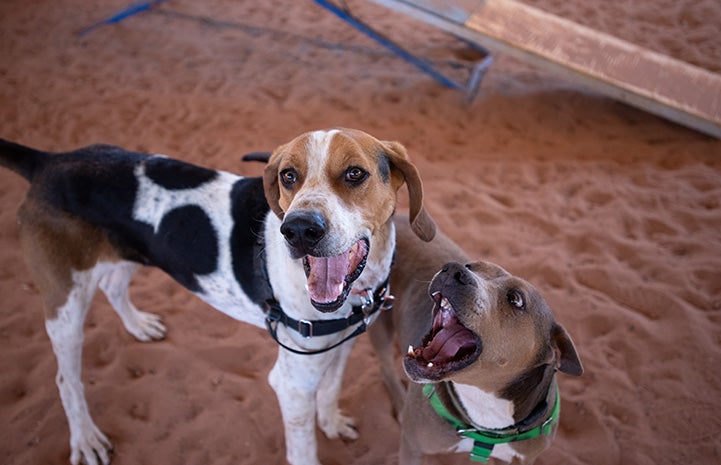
(327, 276)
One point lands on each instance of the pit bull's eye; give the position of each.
(288, 177)
(355, 175)
(516, 299)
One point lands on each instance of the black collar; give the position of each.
(374, 301)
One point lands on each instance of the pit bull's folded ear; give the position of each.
(567, 360)
(270, 186)
(421, 222)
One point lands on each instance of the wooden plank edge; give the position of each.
(665, 91)
(680, 116)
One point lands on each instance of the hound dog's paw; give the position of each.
(338, 424)
(145, 326)
(92, 447)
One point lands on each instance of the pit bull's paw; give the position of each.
(338, 425)
(146, 327)
(92, 448)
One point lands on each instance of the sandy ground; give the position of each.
(615, 214)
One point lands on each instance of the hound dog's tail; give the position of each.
(23, 160)
(262, 157)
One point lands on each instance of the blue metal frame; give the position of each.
(132, 10)
(470, 88)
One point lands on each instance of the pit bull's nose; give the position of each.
(460, 274)
(303, 230)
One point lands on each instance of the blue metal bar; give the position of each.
(395, 48)
(132, 10)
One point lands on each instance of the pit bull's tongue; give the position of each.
(327, 277)
(447, 343)
(450, 337)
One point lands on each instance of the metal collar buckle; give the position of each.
(305, 328)
(367, 300)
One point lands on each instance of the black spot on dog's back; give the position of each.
(174, 174)
(186, 244)
(96, 183)
(249, 209)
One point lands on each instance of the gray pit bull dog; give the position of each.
(483, 349)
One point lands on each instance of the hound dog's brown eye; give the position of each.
(516, 299)
(355, 175)
(288, 177)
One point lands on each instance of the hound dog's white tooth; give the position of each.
(410, 350)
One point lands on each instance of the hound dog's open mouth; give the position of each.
(448, 346)
(330, 278)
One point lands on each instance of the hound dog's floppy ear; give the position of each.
(421, 222)
(270, 184)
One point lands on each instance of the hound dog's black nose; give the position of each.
(303, 230)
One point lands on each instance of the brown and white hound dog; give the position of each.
(314, 235)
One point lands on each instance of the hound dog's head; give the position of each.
(488, 327)
(333, 190)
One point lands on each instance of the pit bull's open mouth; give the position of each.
(330, 278)
(449, 346)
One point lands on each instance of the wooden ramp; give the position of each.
(662, 85)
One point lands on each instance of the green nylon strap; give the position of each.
(484, 440)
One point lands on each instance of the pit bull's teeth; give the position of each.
(445, 305)
(340, 288)
(430, 365)
(410, 350)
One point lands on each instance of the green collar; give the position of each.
(485, 439)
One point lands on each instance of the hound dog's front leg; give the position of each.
(295, 379)
(332, 421)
